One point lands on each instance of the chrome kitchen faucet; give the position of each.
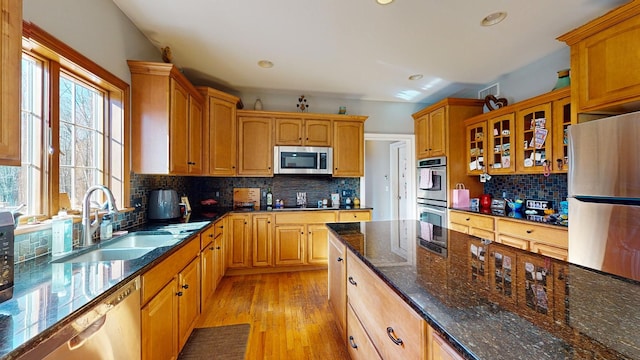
(88, 227)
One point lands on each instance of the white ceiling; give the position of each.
(356, 49)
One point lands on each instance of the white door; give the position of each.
(399, 175)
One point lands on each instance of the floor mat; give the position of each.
(220, 342)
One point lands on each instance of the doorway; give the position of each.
(388, 184)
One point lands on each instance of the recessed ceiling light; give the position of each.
(493, 19)
(265, 64)
(415, 77)
(384, 2)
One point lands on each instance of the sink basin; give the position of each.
(106, 254)
(142, 240)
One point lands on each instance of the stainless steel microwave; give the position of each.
(302, 160)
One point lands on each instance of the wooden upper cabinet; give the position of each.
(166, 122)
(255, 145)
(500, 141)
(220, 129)
(605, 53)
(348, 148)
(534, 138)
(430, 130)
(561, 121)
(10, 77)
(302, 132)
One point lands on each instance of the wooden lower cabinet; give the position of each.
(170, 302)
(238, 241)
(290, 245)
(354, 215)
(317, 235)
(482, 226)
(542, 239)
(337, 274)
(394, 329)
(439, 349)
(207, 267)
(262, 240)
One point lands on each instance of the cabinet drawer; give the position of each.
(358, 342)
(305, 217)
(476, 221)
(357, 215)
(218, 228)
(459, 228)
(550, 251)
(533, 232)
(156, 278)
(384, 315)
(514, 242)
(481, 233)
(206, 237)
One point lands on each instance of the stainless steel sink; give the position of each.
(105, 254)
(142, 240)
(127, 247)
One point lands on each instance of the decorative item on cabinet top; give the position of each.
(563, 79)
(494, 103)
(302, 105)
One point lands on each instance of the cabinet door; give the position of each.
(255, 146)
(534, 140)
(195, 137)
(262, 233)
(475, 135)
(317, 235)
(188, 300)
(219, 244)
(289, 132)
(499, 151)
(421, 129)
(208, 270)
(160, 325)
(289, 244)
(238, 239)
(348, 149)
(222, 137)
(178, 129)
(11, 52)
(441, 350)
(561, 123)
(317, 132)
(437, 132)
(337, 287)
(359, 344)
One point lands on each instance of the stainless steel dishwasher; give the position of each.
(111, 330)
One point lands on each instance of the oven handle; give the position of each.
(435, 209)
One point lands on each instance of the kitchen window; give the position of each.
(73, 134)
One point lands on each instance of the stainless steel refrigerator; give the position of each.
(604, 195)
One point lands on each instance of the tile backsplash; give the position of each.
(535, 186)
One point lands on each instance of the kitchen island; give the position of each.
(491, 301)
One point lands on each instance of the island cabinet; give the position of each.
(11, 53)
(394, 329)
(255, 144)
(220, 129)
(301, 238)
(166, 123)
(337, 274)
(303, 131)
(170, 301)
(439, 349)
(605, 53)
(348, 148)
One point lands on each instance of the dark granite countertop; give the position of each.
(553, 219)
(492, 301)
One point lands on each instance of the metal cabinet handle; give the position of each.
(352, 282)
(352, 342)
(185, 286)
(217, 247)
(179, 293)
(210, 235)
(212, 248)
(392, 336)
(467, 219)
(529, 231)
(339, 259)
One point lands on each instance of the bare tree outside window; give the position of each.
(81, 138)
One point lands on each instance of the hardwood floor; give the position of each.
(289, 315)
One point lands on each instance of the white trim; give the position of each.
(411, 159)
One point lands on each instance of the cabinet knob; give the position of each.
(352, 282)
(352, 342)
(217, 247)
(529, 231)
(392, 336)
(467, 219)
(339, 259)
(210, 235)
(185, 286)
(179, 293)
(212, 248)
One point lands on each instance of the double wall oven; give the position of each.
(432, 199)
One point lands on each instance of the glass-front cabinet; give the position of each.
(476, 140)
(561, 122)
(534, 139)
(502, 132)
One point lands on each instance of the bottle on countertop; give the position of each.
(356, 202)
(106, 228)
(61, 233)
(269, 197)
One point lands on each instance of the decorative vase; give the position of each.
(563, 79)
(258, 104)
